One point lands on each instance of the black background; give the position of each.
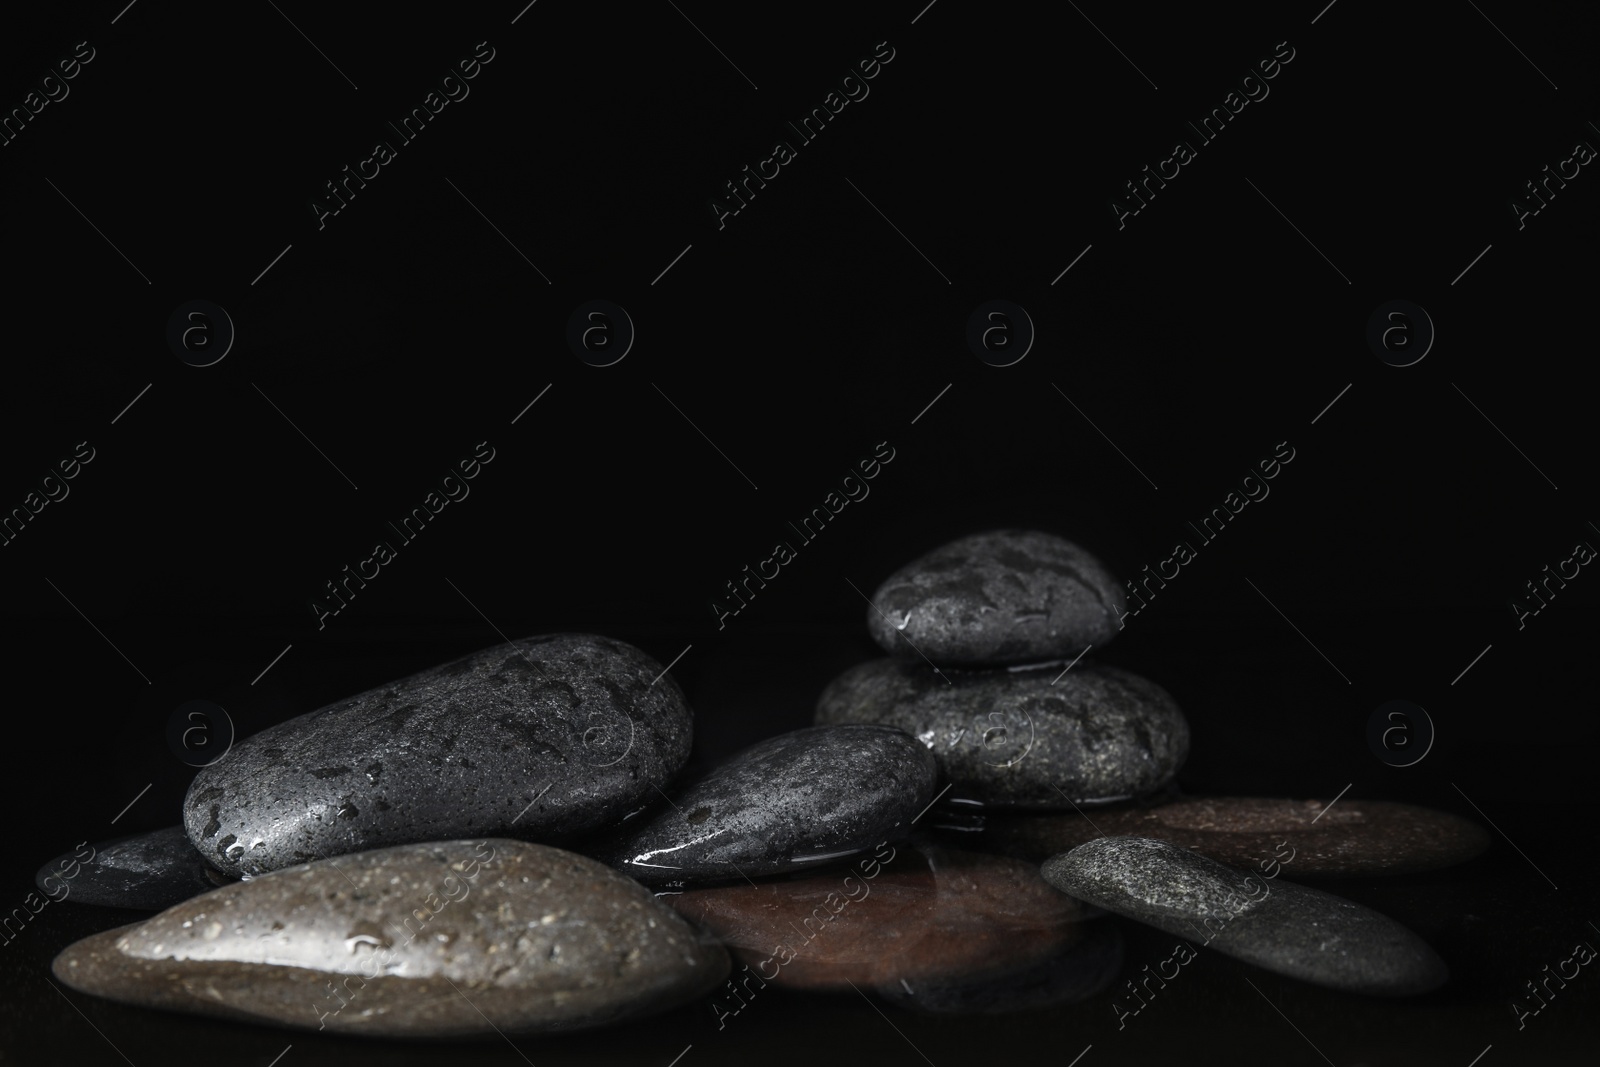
(797, 338)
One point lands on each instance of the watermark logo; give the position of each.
(1541, 190)
(1399, 733)
(1550, 582)
(1400, 333)
(1000, 333)
(1582, 954)
(379, 951)
(606, 742)
(600, 333)
(1183, 952)
(200, 333)
(199, 732)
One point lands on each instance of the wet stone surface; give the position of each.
(1067, 977)
(1352, 838)
(446, 939)
(1036, 739)
(996, 598)
(1289, 929)
(797, 800)
(148, 871)
(546, 738)
(923, 914)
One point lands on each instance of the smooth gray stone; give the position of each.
(443, 939)
(1003, 597)
(147, 871)
(1289, 929)
(1067, 977)
(790, 802)
(547, 738)
(1035, 739)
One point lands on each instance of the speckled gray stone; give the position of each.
(1024, 738)
(546, 738)
(1289, 929)
(444, 939)
(793, 801)
(1003, 597)
(146, 871)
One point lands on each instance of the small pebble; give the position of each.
(997, 598)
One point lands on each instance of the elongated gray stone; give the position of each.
(443, 939)
(547, 738)
(1040, 739)
(147, 871)
(790, 802)
(1003, 597)
(1290, 929)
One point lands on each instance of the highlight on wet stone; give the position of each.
(1289, 929)
(997, 598)
(1041, 739)
(793, 801)
(920, 913)
(548, 738)
(149, 871)
(445, 939)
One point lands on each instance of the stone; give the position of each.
(1038, 739)
(1288, 929)
(1302, 838)
(793, 801)
(1003, 597)
(919, 913)
(1071, 975)
(149, 872)
(547, 738)
(443, 939)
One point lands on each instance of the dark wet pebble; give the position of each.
(547, 738)
(1288, 929)
(1002, 597)
(149, 872)
(793, 801)
(444, 939)
(1039, 739)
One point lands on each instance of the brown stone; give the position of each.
(444, 939)
(1353, 837)
(909, 912)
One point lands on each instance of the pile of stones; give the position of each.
(507, 843)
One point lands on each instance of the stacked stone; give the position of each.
(988, 639)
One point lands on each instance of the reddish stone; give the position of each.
(916, 913)
(1353, 837)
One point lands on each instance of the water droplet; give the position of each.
(353, 943)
